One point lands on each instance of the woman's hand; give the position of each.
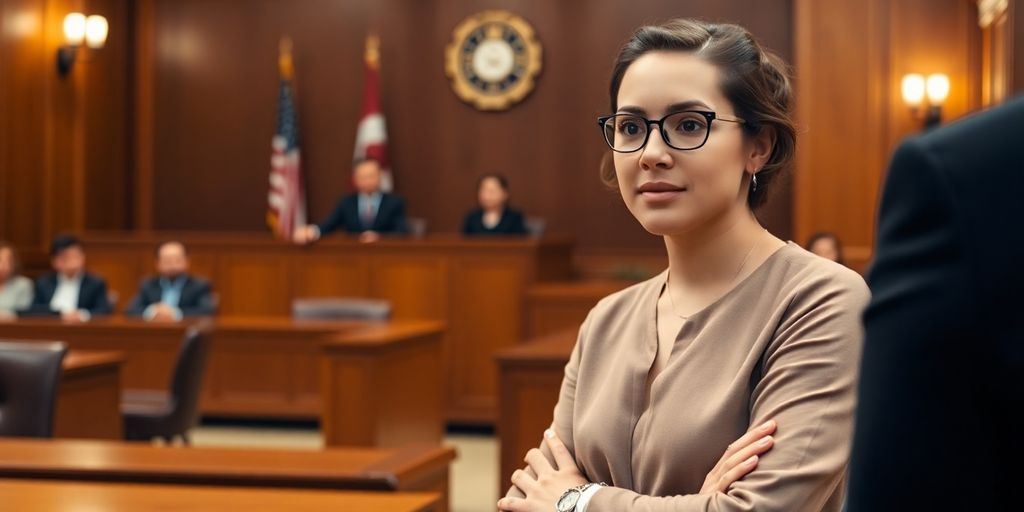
(740, 458)
(544, 490)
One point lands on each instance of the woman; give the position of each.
(742, 333)
(827, 245)
(15, 291)
(493, 217)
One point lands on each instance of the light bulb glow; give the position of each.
(96, 29)
(938, 88)
(74, 28)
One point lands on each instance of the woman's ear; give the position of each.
(761, 150)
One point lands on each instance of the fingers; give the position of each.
(511, 504)
(538, 462)
(750, 437)
(525, 482)
(735, 473)
(752, 450)
(563, 459)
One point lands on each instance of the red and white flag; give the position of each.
(286, 201)
(372, 133)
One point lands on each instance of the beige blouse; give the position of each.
(783, 344)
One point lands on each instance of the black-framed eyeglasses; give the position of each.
(685, 130)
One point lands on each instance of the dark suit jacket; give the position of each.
(196, 298)
(92, 295)
(942, 385)
(511, 223)
(390, 216)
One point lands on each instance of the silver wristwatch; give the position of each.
(569, 499)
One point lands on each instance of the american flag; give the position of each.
(287, 197)
(372, 133)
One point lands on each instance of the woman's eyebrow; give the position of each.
(686, 105)
(675, 107)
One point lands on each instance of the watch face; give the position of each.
(568, 500)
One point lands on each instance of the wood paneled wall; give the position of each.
(851, 56)
(214, 105)
(168, 126)
(63, 140)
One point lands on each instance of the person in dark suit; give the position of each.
(69, 291)
(173, 294)
(493, 217)
(941, 391)
(369, 212)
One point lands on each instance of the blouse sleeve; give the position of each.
(808, 386)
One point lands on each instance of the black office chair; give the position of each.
(149, 414)
(29, 378)
(340, 308)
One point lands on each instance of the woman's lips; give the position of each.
(659, 191)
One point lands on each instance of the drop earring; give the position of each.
(753, 183)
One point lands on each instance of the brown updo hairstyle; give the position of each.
(754, 80)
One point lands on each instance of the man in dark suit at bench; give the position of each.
(370, 212)
(173, 294)
(69, 291)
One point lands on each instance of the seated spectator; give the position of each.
(173, 294)
(15, 290)
(70, 291)
(369, 212)
(493, 217)
(826, 244)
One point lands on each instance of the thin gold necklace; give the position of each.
(672, 300)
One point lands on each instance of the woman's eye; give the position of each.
(690, 126)
(629, 128)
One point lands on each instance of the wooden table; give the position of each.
(477, 286)
(530, 380)
(89, 396)
(411, 468)
(47, 496)
(383, 382)
(383, 385)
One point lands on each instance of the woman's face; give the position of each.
(672, 191)
(491, 195)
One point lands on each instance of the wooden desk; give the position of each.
(383, 385)
(269, 367)
(476, 286)
(531, 378)
(46, 496)
(89, 396)
(410, 468)
(552, 307)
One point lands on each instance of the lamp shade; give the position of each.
(74, 28)
(938, 88)
(96, 31)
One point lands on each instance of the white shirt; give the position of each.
(65, 298)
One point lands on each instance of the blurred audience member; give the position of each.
(826, 244)
(70, 291)
(15, 290)
(173, 294)
(493, 216)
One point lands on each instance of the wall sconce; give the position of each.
(916, 88)
(80, 29)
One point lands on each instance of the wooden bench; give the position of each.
(50, 496)
(412, 468)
